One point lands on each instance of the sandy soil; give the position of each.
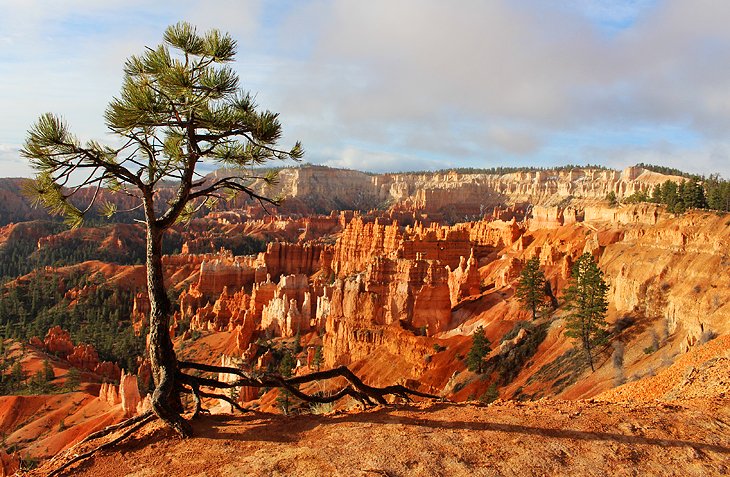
(589, 438)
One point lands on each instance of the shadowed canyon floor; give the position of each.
(505, 438)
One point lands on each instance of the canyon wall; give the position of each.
(456, 197)
(676, 271)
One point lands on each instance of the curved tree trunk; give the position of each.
(166, 398)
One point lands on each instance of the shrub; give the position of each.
(490, 395)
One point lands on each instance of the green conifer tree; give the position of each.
(17, 375)
(656, 194)
(73, 380)
(180, 108)
(286, 365)
(531, 287)
(480, 348)
(586, 300)
(48, 373)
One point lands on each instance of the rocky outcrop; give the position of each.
(544, 217)
(140, 311)
(108, 370)
(324, 189)
(225, 271)
(125, 394)
(641, 214)
(287, 259)
(680, 278)
(457, 196)
(290, 309)
(115, 242)
(84, 356)
(58, 342)
(349, 340)
(280, 309)
(242, 394)
(464, 280)
(362, 240)
(109, 394)
(388, 305)
(129, 394)
(494, 234)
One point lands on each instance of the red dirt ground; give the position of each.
(506, 438)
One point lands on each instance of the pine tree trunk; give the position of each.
(589, 355)
(166, 398)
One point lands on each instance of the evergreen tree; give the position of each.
(17, 375)
(656, 194)
(38, 383)
(297, 344)
(669, 194)
(490, 395)
(693, 195)
(48, 373)
(586, 300)
(480, 348)
(73, 380)
(718, 193)
(531, 287)
(286, 365)
(679, 205)
(180, 108)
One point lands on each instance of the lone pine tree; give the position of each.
(180, 107)
(531, 287)
(480, 347)
(586, 300)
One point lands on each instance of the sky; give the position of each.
(394, 85)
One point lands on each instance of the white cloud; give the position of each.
(375, 161)
(501, 75)
(406, 82)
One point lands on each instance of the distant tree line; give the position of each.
(668, 171)
(503, 170)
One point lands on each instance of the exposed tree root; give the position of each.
(115, 427)
(189, 384)
(365, 394)
(133, 424)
